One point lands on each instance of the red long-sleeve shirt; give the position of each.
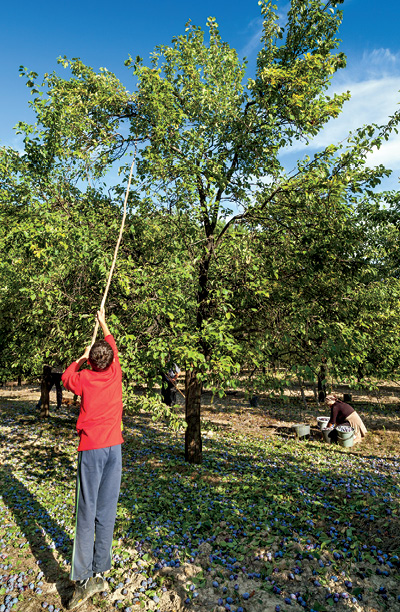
(99, 421)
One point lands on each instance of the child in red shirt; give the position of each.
(99, 462)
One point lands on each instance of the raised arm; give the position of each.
(71, 377)
(84, 357)
(101, 317)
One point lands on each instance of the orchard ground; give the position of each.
(265, 521)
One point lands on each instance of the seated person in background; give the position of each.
(343, 413)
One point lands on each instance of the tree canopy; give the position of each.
(228, 261)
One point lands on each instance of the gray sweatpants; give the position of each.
(97, 490)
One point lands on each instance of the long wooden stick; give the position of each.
(103, 301)
(175, 385)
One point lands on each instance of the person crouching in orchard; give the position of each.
(99, 462)
(343, 413)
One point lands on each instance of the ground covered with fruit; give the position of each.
(264, 524)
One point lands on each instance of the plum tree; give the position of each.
(217, 229)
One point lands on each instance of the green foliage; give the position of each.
(228, 262)
(152, 404)
(56, 257)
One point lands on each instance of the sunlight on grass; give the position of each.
(262, 515)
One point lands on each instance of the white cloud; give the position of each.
(388, 154)
(372, 101)
(374, 84)
(380, 63)
(253, 43)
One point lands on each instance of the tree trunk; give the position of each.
(303, 397)
(45, 392)
(193, 444)
(322, 384)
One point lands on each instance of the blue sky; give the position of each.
(103, 33)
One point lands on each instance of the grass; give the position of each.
(264, 518)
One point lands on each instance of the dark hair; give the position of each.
(101, 355)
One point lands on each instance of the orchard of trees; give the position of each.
(228, 262)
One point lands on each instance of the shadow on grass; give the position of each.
(34, 522)
(41, 460)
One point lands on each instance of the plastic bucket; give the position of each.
(322, 421)
(325, 433)
(301, 430)
(346, 443)
(345, 432)
(345, 438)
